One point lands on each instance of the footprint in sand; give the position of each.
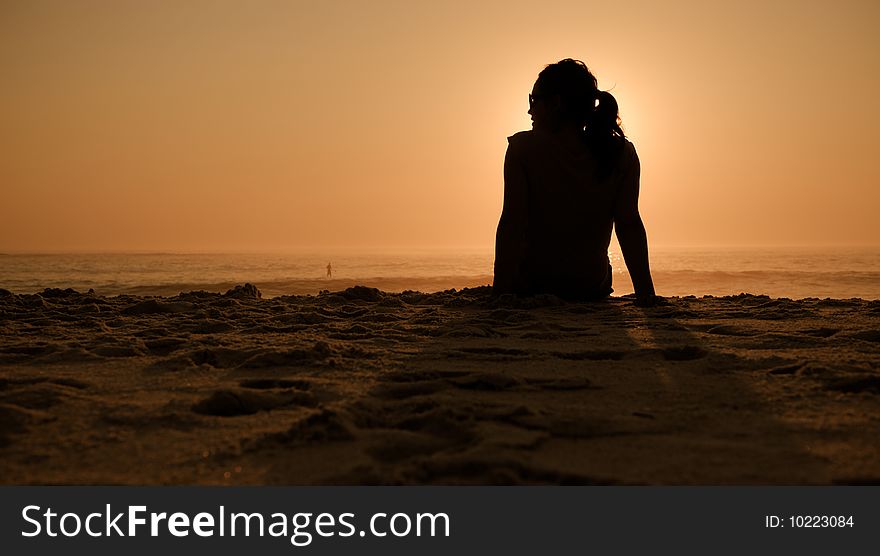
(683, 353)
(821, 332)
(272, 383)
(325, 426)
(864, 384)
(867, 335)
(492, 382)
(403, 390)
(232, 403)
(591, 355)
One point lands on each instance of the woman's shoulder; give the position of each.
(629, 156)
(522, 146)
(531, 141)
(523, 138)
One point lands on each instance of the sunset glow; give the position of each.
(261, 126)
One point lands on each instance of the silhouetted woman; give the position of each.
(567, 182)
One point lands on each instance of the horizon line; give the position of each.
(299, 250)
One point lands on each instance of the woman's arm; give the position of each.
(510, 239)
(631, 233)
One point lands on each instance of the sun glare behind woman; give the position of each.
(568, 182)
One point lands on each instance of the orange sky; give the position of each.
(267, 125)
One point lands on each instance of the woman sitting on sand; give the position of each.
(566, 184)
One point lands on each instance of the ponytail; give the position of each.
(604, 135)
(605, 118)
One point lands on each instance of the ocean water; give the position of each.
(778, 272)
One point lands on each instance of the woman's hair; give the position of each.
(583, 103)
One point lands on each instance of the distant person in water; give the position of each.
(329, 271)
(567, 183)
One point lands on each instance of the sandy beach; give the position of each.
(366, 387)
